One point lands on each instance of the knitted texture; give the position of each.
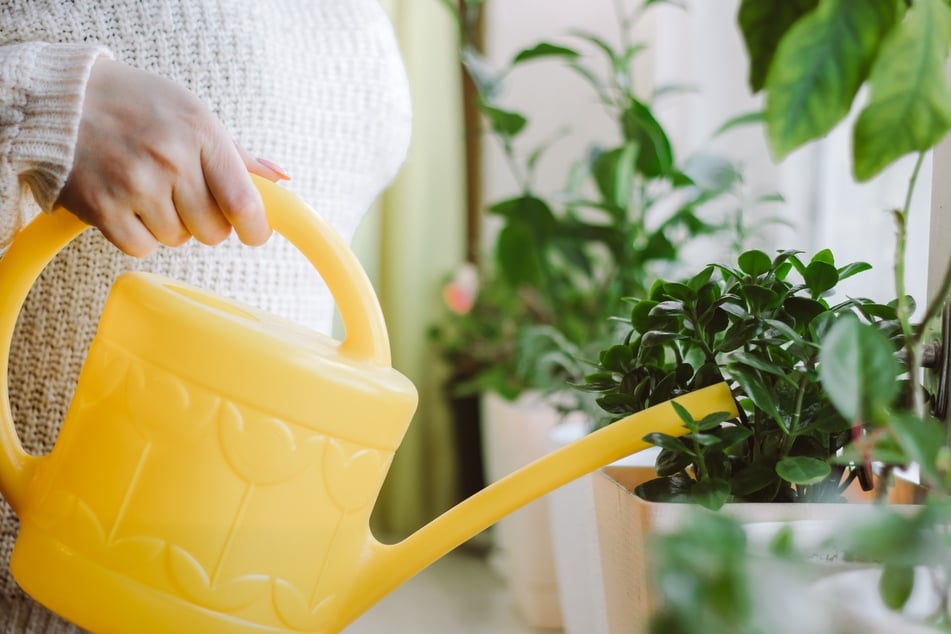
(317, 86)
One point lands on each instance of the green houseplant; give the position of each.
(810, 58)
(759, 327)
(555, 262)
(559, 261)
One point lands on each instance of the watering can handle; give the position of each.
(38, 243)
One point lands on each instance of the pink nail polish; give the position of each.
(274, 168)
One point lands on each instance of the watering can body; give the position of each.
(218, 466)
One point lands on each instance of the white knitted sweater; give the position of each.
(316, 86)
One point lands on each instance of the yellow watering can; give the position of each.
(217, 467)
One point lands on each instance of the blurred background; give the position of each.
(431, 219)
(692, 70)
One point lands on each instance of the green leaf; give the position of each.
(528, 210)
(921, 440)
(748, 118)
(666, 441)
(853, 269)
(713, 421)
(755, 361)
(734, 435)
(614, 175)
(684, 415)
(617, 358)
(712, 493)
(657, 337)
(820, 65)
(671, 462)
(909, 109)
(858, 368)
(803, 308)
(599, 381)
(753, 478)
(764, 23)
(681, 292)
(759, 297)
(505, 122)
(803, 470)
(895, 585)
(763, 398)
(545, 49)
(739, 334)
(667, 307)
(519, 259)
(667, 489)
(754, 263)
(655, 155)
(640, 315)
(825, 255)
(820, 277)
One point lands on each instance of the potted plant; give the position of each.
(761, 326)
(811, 75)
(558, 262)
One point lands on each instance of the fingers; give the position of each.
(200, 214)
(153, 165)
(131, 236)
(230, 185)
(164, 223)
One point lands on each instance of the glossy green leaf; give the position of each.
(910, 103)
(684, 415)
(753, 478)
(640, 315)
(920, 440)
(895, 585)
(759, 297)
(671, 462)
(853, 269)
(667, 307)
(734, 435)
(520, 261)
(614, 175)
(617, 358)
(711, 493)
(819, 66)
(655, 155)
(823, 255)
(755, 388)
(754, 263)
(764, 23)
(748, 118)
(712, 421)
(681, 292)
(666, 441)
(545, 49)
(803, 470)
(803, 309)
(820, 277)
(504, 122)
(755, 361)
(858, 369)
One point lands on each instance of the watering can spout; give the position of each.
(386, 566)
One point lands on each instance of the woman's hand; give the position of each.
(154, 165)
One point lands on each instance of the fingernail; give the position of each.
(274, 168)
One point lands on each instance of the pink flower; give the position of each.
(461, 292)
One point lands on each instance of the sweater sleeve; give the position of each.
(41, 94)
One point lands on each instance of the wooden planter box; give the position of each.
(625, 521)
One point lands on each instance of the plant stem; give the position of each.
(912, 338)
